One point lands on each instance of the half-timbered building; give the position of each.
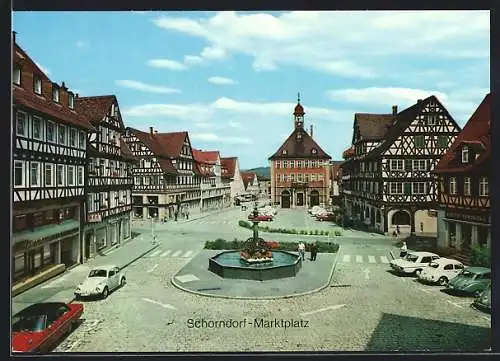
(300, 174)
(109, 181)
(48, 175)
(464, 172)
(164, 179)
(231, 172)
(388, 181)
(213, 192)
(335, 182)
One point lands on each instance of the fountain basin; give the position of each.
(228, 264)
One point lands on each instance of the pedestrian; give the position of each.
(176, 215)
(314, 251)
(154, 239)
(421, 227)
(404, 250)
(187, 214)
(394, 234)
(397, 230)
(302, 250)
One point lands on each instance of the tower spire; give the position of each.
(298, 97)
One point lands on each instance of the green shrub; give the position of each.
(311, 232)
(244, 224)
(338, 233)
(480, 256)
(221, 244)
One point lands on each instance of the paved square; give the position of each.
(187, 278)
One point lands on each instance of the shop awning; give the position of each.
(43, 232)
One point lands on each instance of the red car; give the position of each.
(326, 217)
(260, 217)
(39, 327)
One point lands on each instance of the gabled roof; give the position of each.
(203, 156)
(476, 134)
(126, 152)
(371, 127)
(24, 95)
(229, 163)
(303, 148)
(96, 108)
(402, 121)
(248, 177)
(348, 153)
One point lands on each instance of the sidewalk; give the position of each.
(61, 288)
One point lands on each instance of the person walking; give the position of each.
(397, 230)
(404, 250)
(314, 251)
(302, 250)
(187, 214)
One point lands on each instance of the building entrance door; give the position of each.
(300, 199)
(285, 199)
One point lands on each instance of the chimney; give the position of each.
(419, 101)
(394, 110)
(77, 95)
(311, 132)
(156, 132)
(151, 131)
(14, 36)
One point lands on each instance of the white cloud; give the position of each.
(237, 125)
(211, 137)
(218, 80)
(311, 38)
(42, 68)
(82, 44)
(167, 64)
(192, 59)
(137, 85)
(190, 112)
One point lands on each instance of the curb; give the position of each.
(129, 263)
(208, 215)
(176, 285)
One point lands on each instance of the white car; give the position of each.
(413, 263)
(441, 271)
(313, 209)
(317, 211)
(268, 210)
(101, 281)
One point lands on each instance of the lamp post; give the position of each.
(152, 227)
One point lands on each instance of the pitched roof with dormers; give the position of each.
(477, 135)
(24, 95)
(248, 178)
(371, 127)
(299, 145)
(96, 107)
(228, 166)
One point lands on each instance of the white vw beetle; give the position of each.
(100, 282)
(441, 271)
(414, 262)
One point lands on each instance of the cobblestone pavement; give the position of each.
(366, 308)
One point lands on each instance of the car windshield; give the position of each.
(467, 274)
(434, 265)
(411, 258)
(31, 323)
(97, 273)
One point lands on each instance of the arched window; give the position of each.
(401, 218)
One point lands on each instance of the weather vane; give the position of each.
(298, 97)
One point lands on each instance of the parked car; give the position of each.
(483, 301)
(413, 263)
(260, 217)
(40, 327)
(317, 211)
(471, 280)
(100, 282)
(269, 210)
(313, 209)
(441, 271)
(328, 216)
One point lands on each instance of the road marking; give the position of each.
(372, 259)
(359, 259)
(336, 307)
(155, 253)
(153, 268)
(454, 304)
(347, 258)
(165, 254)
(187, 254)
(159, 304)
(384, 259)
(176, 254)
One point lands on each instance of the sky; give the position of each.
(231, 79)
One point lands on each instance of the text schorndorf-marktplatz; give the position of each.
(242, 323)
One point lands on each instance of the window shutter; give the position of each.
(407, 188)
(408, 165)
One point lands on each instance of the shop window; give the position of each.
(20, 222)
(38, 260)
(49, 217)
(38, 219)
(18, 266)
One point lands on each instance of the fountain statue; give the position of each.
(255, 249)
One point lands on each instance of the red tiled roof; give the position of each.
(167, 166)
(477, 134)
(248, 177)
(203, 156)
(349, 152)
(229, 164)
(372, 126)
(95, 108)
(162, 144)
(126, 152)
(302, 148)
(24, 95)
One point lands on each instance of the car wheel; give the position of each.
(105, 292)
(443, 281)
(477, 293)
(418, 272)
(122, 282)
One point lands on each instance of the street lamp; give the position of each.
(152, 227)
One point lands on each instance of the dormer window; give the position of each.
(465, 154)
(313, 151)
(283, 152)
(16, 74)
(432, 120)
(55, 93)
(71, 100)
(37, 84)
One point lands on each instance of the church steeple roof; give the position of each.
(299, 110)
